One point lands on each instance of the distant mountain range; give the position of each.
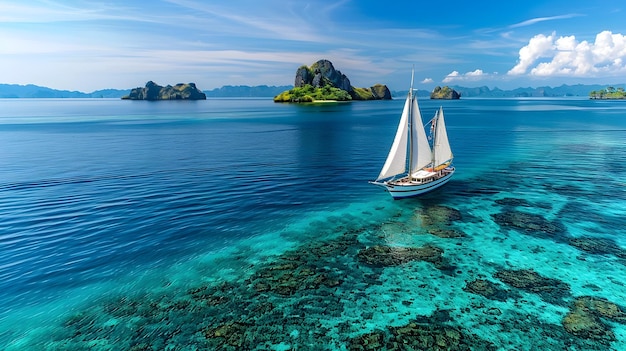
(35, 91)
(582, 90)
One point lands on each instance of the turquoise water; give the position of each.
(248, 225)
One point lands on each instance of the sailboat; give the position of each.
(414, 165)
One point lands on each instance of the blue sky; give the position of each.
(90, 45)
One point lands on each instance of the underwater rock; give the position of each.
(585, 318)
(287, 281)
(446, 233)
(599, 246)
(213, 295)
(531, 224)
(383, 256)
(549, 289)
(488, 289)
(437, 219)
(438, 215)
(423, 336)
(231, 333)
(367, 342)
(586, 325)
(513, 202)
(601, 307)
(303, 269)
(434, 337)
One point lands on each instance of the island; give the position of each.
(322, 82)
(445, 93)
(154, 92)
(610, 93)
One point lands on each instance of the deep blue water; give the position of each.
(105, 198)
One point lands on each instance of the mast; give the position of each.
(433, 128)
(410, 121)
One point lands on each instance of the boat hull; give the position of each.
(399, 190)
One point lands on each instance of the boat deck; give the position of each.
(422, 177)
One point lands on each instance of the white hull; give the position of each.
(402, 188)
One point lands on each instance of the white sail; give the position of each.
(421, 153)
(441, 146)
(396, 160)
(412, 148)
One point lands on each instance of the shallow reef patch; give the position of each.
(549, 289)
(531, 224)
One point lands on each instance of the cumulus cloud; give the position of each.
(427, 80)
(469, 76)
(566, 56)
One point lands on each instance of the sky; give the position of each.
(92, 45)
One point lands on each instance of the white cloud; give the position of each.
(566, 56)
(475, 75)
(427, 80)
(454, 75)
(538, 46)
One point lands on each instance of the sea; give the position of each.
(242, 224)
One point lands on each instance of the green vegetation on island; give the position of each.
(445, 93)
(153, 92)
(322, 82)
(308, 93)
(610, 93)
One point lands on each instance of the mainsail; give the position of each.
(396, 160)
(417, 147)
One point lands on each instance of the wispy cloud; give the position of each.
(280, 22)
(543, 19)
(55, 11)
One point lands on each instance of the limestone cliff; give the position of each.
(323, 77)
(153, 91)
(445, 93)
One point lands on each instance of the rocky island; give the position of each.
(153, 92)
(445, 93)
(322, 81)
(610, 93)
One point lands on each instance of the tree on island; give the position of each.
(608, 93)
(308, 93)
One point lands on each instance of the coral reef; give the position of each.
(531, 224)
(599, 246)
(382, 256)
(331, 293)
(549, 289)
(489, 290)
(417, 335)
(438, 219)
(585, 318)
